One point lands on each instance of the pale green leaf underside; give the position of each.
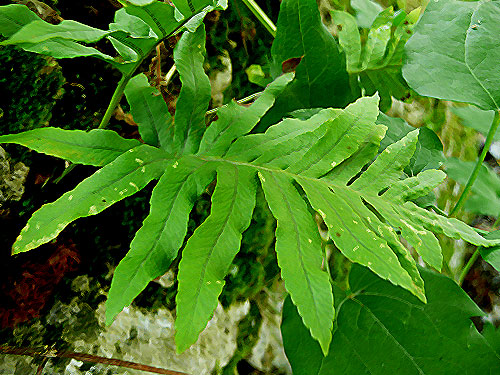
(119, 179)
(454, 53)
(39, 31)
(13, 17)
(376, 64)
(63, 48)
(97, 147)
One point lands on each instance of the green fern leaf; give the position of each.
(119, 179)
(97, 147)
(150, 112)
(189, 56)
(331, 156)
(298, 247)
(158, 241)
(210, 251)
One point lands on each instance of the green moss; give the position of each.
(30, 85)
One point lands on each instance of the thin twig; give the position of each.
(241, 101)
(42, 365)
(169, 75)
(158, 65)
(86, 358)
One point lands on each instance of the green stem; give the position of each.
(468, 266)
(261, 16)
(473, 258)
(477, 168)
(115, 99)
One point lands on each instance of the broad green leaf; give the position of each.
(411, 337)
(453, 53)
(210, 251)
(298, 247)
(150, 112)
(14, 17)
(131, 24)
(189, 56)
(366, 12)
(321, 79)
(477, 119)
(119, 179)
(485, 199)
(157, 242)
(235, 120)
(97, 147)
(40, 31)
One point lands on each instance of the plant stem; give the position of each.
(115, 99)
(473, 258)
(261, 16)
(468, 266)
(479, 163)
(85, 358)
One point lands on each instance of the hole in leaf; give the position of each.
(374, 211)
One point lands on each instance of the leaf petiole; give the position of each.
(477, 167)
(261, 16)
